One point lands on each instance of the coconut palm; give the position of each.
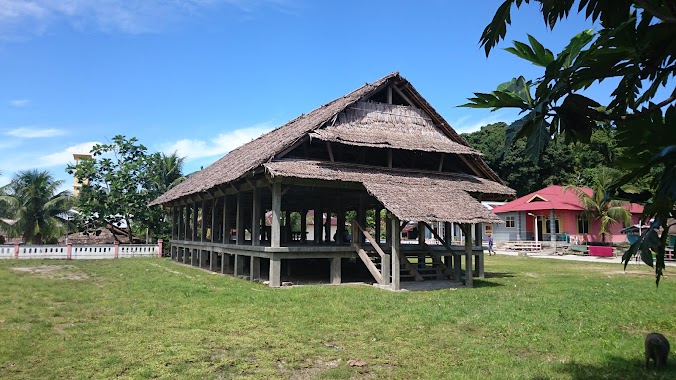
(169, 171)
(598, 207)
(36, 205)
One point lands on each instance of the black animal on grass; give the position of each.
(657, 349)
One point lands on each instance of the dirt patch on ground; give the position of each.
(631, 273)
(56, 272)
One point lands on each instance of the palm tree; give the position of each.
(598, 207)
(34, 202)
(169, 171)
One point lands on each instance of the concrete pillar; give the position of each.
(213, 261)
(552, 228)
(276, 214)
(239, 265)
(396, 263)
(255, 268)
(386, 268)
(203, 258)
(469, 281)
(225, 263)
(275, 272)
(336, 275)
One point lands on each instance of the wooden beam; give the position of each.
(389, 158)
(401, 93)
(469, 280)
(213, 219)
(441, 162)
(389, 94)
(328, 147)
(369, 264)
(370, 238)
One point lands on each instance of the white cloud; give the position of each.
(467, 124)
(19, 102)
(63, 157)
(194, 149)
(134, 17)
(32, 133)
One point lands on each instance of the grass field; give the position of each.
(152, 318)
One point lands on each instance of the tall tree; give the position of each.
(636, 44)
(32, 199)
(599, 207)
(116, 185)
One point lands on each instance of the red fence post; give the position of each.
(116, 250)
(16, 250)
(159, 248)
(69, 251)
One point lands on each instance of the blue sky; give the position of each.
(204, 76)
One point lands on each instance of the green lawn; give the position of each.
(152, 318)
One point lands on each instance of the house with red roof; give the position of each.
(532, 215)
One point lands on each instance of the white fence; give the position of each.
(79, 252)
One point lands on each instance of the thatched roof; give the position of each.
(410, 195)
(389, 126)
(263, 149)
(334, 171)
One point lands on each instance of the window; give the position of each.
(582, 224)
(548, 226)
(510, 221)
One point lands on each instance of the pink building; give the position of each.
(531, 214)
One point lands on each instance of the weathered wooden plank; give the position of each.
(369, 264)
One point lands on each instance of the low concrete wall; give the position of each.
(79, 252)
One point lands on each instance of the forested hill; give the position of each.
(561, 164)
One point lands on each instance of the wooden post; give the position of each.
(239, 224)
(256, 218)
(275, 272)
(388, 229)
(226, 227)
(361, 217)
(303, 226)
(173, 223)
(186, 225)
(159, 248)
(396, 266)
(340, 221)
(212, 231)
(203, 224)
(469, 281)
(336, 275)
(287, 226)
(421, 243)
(319, 221)
(327, 227)
(276, 214)
(255, 268)
(377, 221)
(195, 213)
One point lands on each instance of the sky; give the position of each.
(201, 77)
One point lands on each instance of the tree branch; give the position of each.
(650, 9)
(648, 110)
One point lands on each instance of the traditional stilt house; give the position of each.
(380, 147)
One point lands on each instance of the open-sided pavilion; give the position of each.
(380, 147)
